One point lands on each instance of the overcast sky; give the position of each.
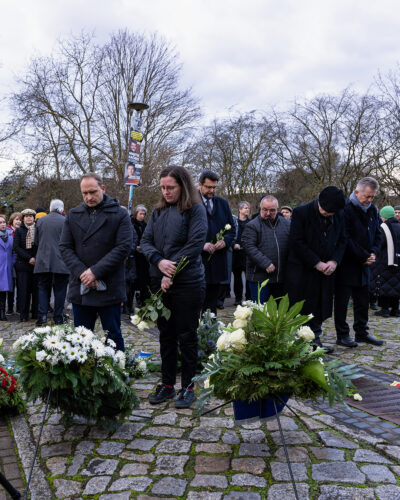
(246, 54)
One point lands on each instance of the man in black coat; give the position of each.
(49, 266)
(96, 238)
(219, 216)
(317, 242)
(364, 241)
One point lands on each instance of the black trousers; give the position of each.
(360, 295)
(60, 284)
(27, 290)
(184, 302)
(211, 297)
(238, 284)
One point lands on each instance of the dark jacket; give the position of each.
(142, 266)
(239, 256)
(217, 266)
(102, 245)
(385, 279)
(364, 238)
(311, 242)
(172, 235)
(266, 243)
(47, 239)
(19, 247)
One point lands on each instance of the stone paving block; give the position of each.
(186, 422)
(280, 471)
(56, 449)
(213, 448)
(252, 465)
(127, 430)
(163, 432)
(312, 424)
(98, 433)
(392, 451)
(165, 464)
(75, 432)
(174, 446)
(370, 456)
(56, 465)
(249, 436)
(85, 448)
(134, 470)
(65, 488)
(205, 434)
(170, 486)
(248, 480)
(210, 481)
(226, 423)
(328, 454)
(254, 450)
(342, 472)
(137, 457)
(242, 495)
(11, 471)
(287, 423)
(291, 437)
(296, 454)
(396, 469)
(342, 493)
(138, 483)
(378, 474)
(142, 444)
(100, 467)
(205, 463)
(285, 492)
(230, 437)
(96, 485)
(168, 418)
(50, 434)
(388, 492)
(110, 448)
(76, 464)
(203, 495)
(330, 439)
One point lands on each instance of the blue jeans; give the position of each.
(110, 317)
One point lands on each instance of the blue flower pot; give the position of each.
(245, 411)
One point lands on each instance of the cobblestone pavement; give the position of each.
(172, 456)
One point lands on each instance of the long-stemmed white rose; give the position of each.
(220, 235)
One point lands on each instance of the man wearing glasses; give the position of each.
(265, 241)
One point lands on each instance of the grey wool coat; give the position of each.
(47, 239)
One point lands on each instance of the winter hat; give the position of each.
(387, 212)
(28, 211)
(287, 208)
(331, 199)
(397, 207)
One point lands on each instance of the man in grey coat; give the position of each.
(49, 266)
(265, 241)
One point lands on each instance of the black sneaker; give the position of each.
(185, 398)
(162, 394)
(41, 321)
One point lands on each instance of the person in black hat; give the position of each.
(317, 242)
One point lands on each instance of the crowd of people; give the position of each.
(323, 252)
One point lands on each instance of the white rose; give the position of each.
(227, 227)
(135, 319)
(142, 366)
(306, 333)
(211, 356)
(357, 397)
(121, 359)
(242, 312)
(239, 323)
(41, 355)
(143, 325)
(237, 339)
(207, 383)
(221, 342)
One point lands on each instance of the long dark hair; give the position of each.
(189, 194)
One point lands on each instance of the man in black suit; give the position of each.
(364, 241)
(214, 253)
(317, 242)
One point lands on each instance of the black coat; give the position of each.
(142, 266)
(23, 254)
(307, 246)
(364, 238)
(102, 245)
(385, 279)
(172, 235)
(217, 266)
(239, 256)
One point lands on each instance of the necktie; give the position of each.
(208, 206)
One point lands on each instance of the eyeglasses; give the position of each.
(210, 188)
(266, 210)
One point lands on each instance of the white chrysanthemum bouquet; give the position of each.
(82, 371)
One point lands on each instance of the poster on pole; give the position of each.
(133, 167)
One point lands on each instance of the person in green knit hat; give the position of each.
(385, 274)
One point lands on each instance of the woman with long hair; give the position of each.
(177, 228)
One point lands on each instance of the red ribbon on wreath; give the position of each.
(5, 377)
